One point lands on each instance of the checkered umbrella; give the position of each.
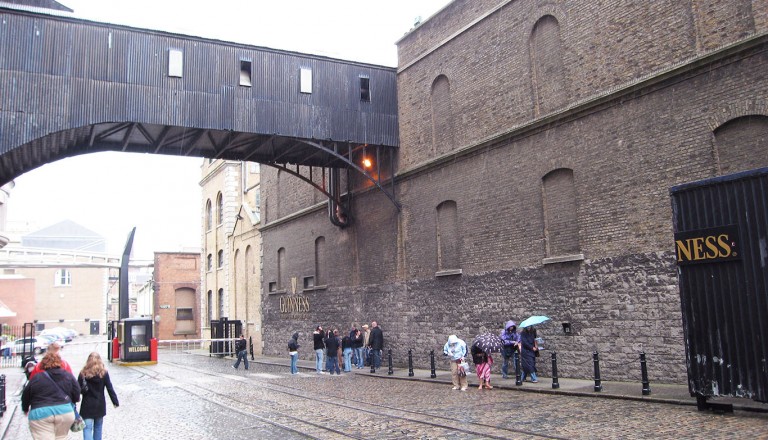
(488, 342)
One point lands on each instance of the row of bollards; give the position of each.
(646, 390)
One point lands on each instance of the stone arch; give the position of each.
(741, 144)
(548, 79)
(442, 116)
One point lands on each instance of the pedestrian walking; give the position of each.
(377, 344)
(528, 353)
(93, 380)
(293, 351)
(332, 345)
(241, 348)
(319, 347)
(48, 400)
(511, 349)
(53, 347)
(456, 350)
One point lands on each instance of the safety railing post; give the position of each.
(555, 383)
(518, 370)
(410, 363)
(389, 360)
(644, 373)
(596, 360)
(432, 364)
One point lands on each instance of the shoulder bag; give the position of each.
(79, 424)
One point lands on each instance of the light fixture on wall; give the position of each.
(567, 328)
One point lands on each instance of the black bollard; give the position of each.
(596, 360)
(518, 370)
(389, 359)
(644, 373)
(250, 345)
(555, 383)
(432, 363)
(3, 407)
(410, 363)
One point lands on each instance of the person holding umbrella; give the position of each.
(528, 353)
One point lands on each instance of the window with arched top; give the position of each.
(209, 305)
(561, 225)
(548, 70)
(220, 259)
(442, 117)
(221, 304)
(320, 275)
(448, 239)
(219, 209)
(280, 268)
(208, 215)
(185, 311)
(209, 262)
(741, 144)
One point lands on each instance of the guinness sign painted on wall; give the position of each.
(707, 245)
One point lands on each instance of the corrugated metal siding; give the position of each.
(58, 74)
(725, 304)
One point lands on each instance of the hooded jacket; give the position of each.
(510, 337)
(455, 348)
(293, 344)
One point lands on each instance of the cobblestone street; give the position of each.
(198, 397)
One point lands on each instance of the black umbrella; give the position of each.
(489, 342)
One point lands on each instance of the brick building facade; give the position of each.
(538, 142)
(176, 282)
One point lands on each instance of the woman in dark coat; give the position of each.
(93, 378)
(528, 353)
(48, 399)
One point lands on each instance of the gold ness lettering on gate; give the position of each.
(707, 245)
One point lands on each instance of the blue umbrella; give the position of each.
(533, 320)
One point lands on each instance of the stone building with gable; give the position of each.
(538, 143)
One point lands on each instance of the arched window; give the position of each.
(742, 144)
(561, 225)
(320, 261)
(442, 118)
(220, 259)
(448, 237)
(219, 209)
(280, 268)
(548, 71)
(221, 303)
(209, 263)
(210, 307)
(208, 215)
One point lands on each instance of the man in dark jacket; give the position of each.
(332, 343)
(377, 344)
(319, 346)
(241, 348)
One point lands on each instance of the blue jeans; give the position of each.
(242, 355)
(92, 429)
(319, 360)
(507, 361)
(332, 363)
(359, 355)
(347, 360)
(294, 359)
(376, 358)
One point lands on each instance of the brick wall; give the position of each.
(175, 270)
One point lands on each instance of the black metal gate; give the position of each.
(721, 241)
(223, 331)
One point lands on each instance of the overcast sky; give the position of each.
(110, 193)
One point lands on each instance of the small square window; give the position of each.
(185, 314)
(175, 63)
(306, 80)
(273, 286)
(365, 89)
(245, 73)
(309, 283)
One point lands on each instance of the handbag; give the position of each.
(463, 368)
(79, 424)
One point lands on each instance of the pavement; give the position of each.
(674, 394)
